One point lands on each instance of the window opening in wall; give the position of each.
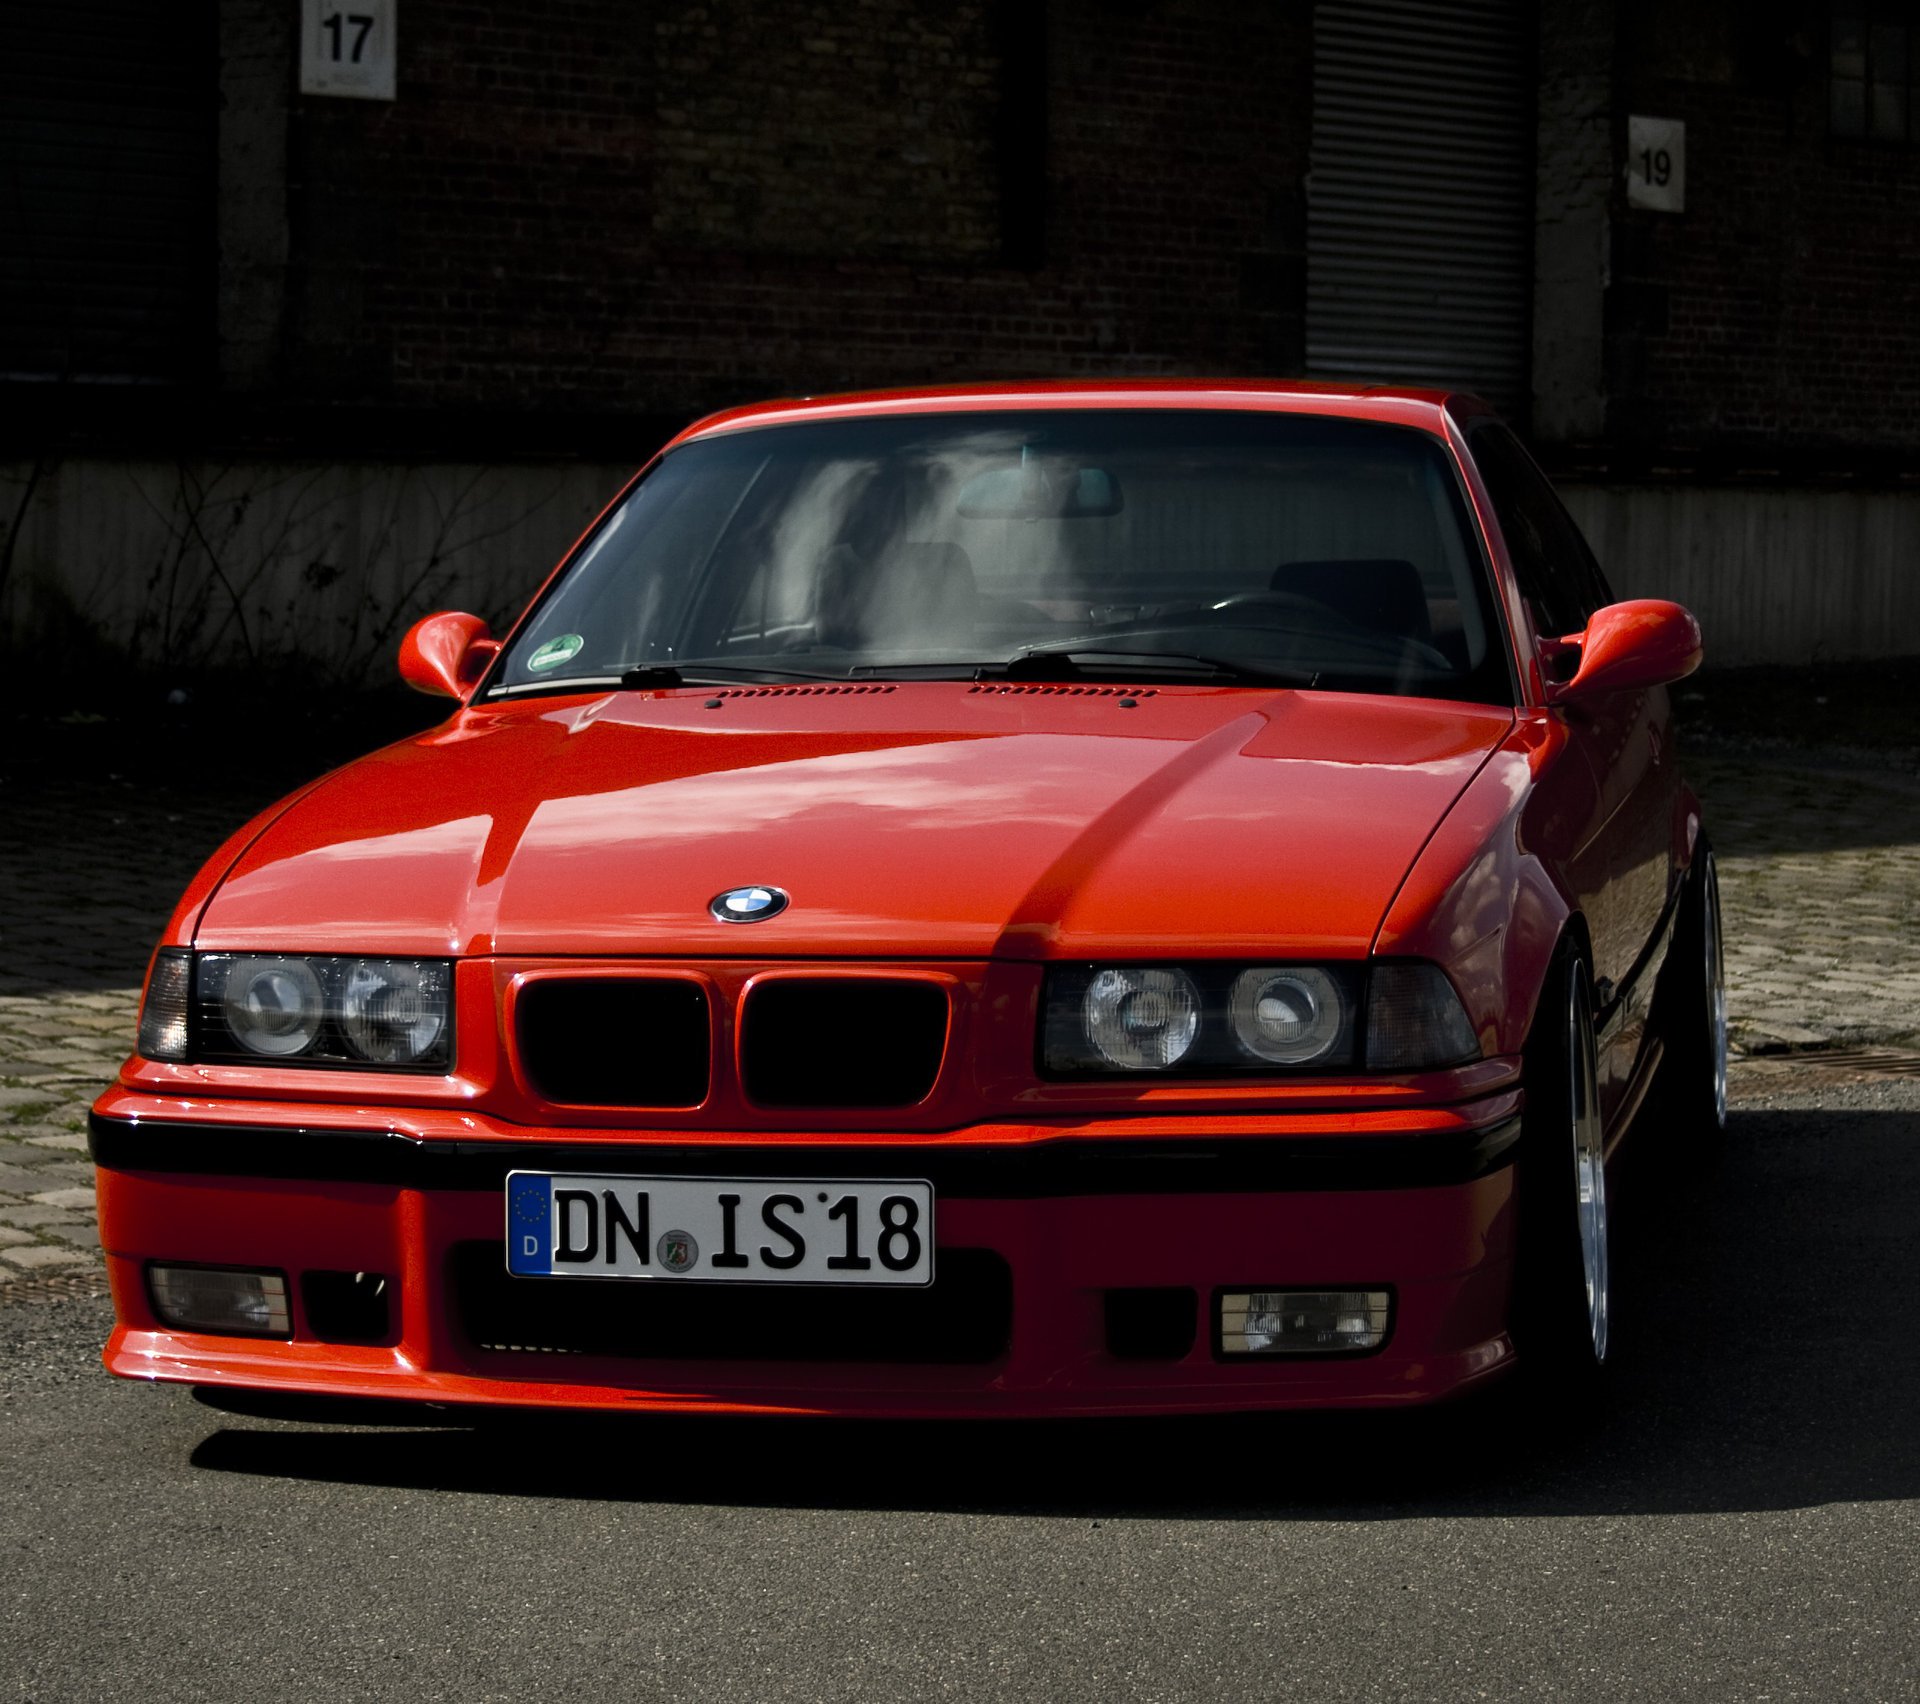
(1871, 66)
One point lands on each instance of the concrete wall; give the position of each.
(1776, 575)
(322, 566)
(1573, 167)
(183, 564)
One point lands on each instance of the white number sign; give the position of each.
(1657, 164)
(347, 48)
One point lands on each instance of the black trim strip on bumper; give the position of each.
(1055, 1166)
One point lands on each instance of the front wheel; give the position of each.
(1562, 1285)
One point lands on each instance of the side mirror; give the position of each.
(1629, 647)
(446, 654)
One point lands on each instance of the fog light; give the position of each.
(221, 1299)
(1302, 1322)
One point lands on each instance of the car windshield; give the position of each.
(1215, 545)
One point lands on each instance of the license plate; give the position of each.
(720, 1230)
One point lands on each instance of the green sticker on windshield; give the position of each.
(562, 648)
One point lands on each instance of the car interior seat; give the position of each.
(1384, 593)
(918, 597)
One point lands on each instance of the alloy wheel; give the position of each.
(1716, 975)
(1589, 1163)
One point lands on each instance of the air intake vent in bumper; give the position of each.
(964, 1318)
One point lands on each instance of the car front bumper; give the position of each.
(1048, 1224)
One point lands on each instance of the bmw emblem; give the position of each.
(747, 904)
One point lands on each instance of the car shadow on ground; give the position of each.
(1761, 803)
(1767, 1363)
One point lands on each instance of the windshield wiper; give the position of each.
(643, 675)
(1070, 662)
(651, 674)
(917, 671)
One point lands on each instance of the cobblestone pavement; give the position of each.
(1820, 887)
(89, 872)
(1820, 874)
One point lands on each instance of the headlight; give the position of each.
(273, 1005)
(1415, 1021)
(300, 1009)
(1198, 1019)
(393, 1010)
(1290, 1017)
(1213, 1020)
(1141, 1020)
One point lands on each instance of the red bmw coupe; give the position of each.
(1020, 900)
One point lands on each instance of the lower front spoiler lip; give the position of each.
(292, 1369)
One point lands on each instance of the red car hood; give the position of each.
(931, 819)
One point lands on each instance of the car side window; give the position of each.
(1558, 575)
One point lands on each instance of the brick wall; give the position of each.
(845, 128)
(585, 206)
(1781, 310)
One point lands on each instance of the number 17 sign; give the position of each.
(347, 48)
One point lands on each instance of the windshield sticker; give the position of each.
(562, 648)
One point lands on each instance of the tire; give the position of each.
(1690, 1092)
(1562, 1280)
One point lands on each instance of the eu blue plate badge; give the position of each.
(530, 1225)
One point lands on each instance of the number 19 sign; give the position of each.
(347, 48)
(1657, 164)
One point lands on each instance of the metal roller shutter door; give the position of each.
(1420, 213)
(107, 172)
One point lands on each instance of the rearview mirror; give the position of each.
(1629, 647)
(1039, 490)
(446, 654)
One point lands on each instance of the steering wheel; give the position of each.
(1336, 623)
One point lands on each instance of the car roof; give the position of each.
(1405, 405)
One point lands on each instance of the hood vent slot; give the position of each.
(863, 688)
(1055, 689)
